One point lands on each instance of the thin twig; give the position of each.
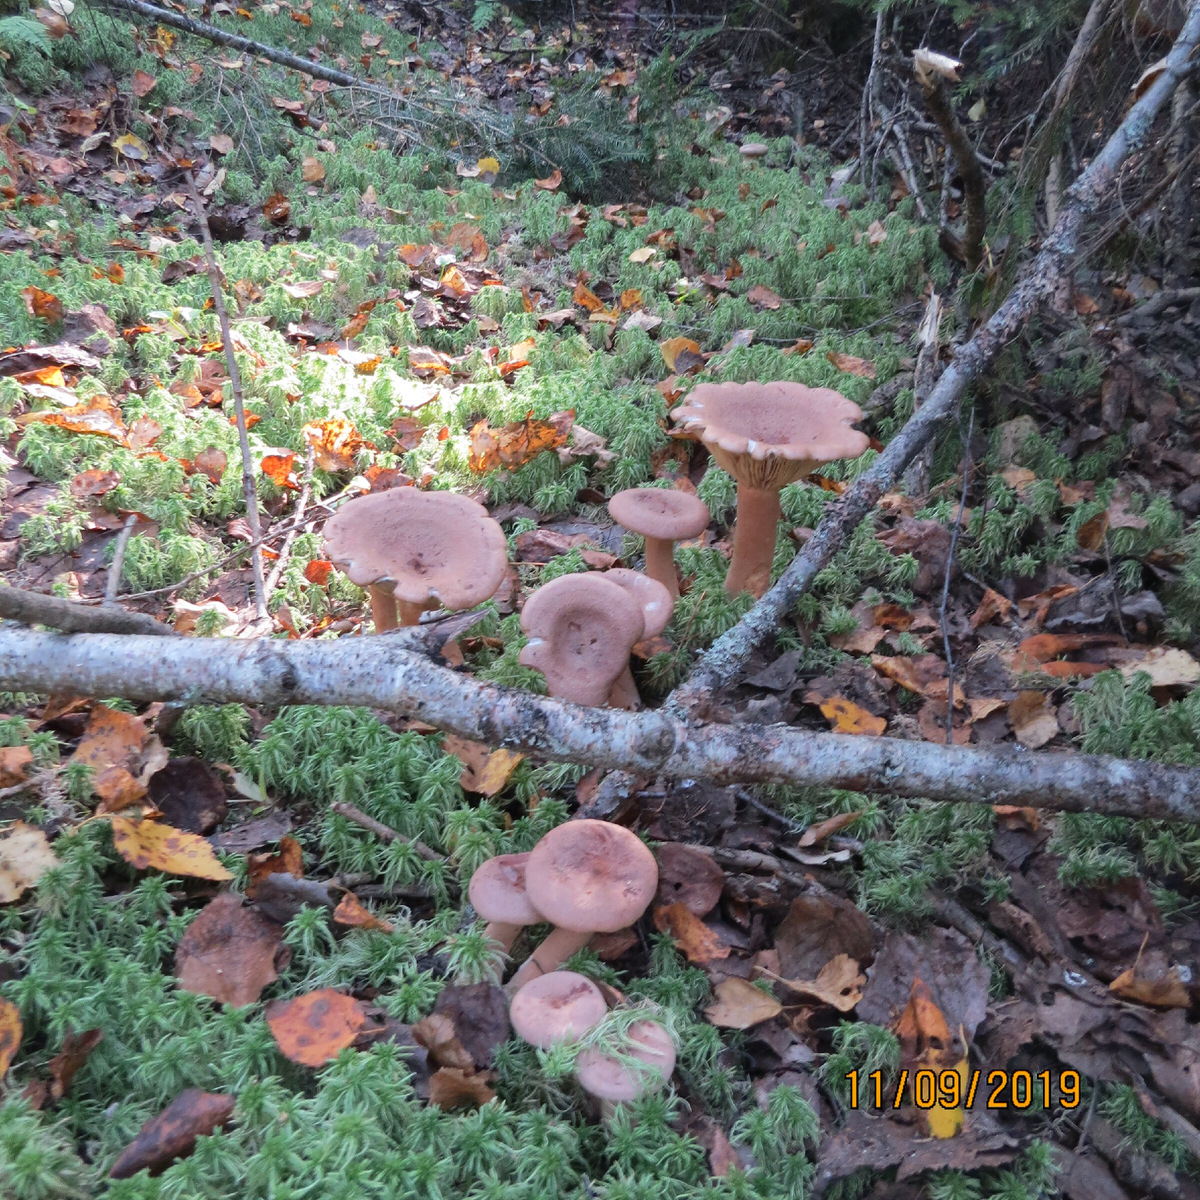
(867, 113)
(113, 582)
(945, 622)
(249, 493)
(380, 830)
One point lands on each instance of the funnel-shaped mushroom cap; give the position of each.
(655, 598)
(664, 513)
(581, 629)
(653, 1050)
(559, 1007)
(497, 891)
(429, 545)
(771, 434)
(591, 877)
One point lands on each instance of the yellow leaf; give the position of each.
(10, 1035)
(145, 844)
(132, 147)
(644, 254)
(948, 1122)
(499, 766)
(672, 348)
(25, 855)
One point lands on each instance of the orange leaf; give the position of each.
(94, 482)
(551, 183)
(336, 443)
(740, 1005)
(318, 571)
(99, 416)
(15, 764)
(277, 208)
(467, 239)
(147, 844)
(848, 717)
(350, 911)
(112, 739)
(142, 83)
(278, 469)
(586, 298)
(484, 770)
(10, 1034)
(513, 445)
(452, 1087)
(681, 354)
(692, 937)
(289, 860)
(854, 366)
(316, 1027)
(44, 305)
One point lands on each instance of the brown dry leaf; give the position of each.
(1167, 666)
(112, 739)
(925, 675)
(468, 240)
(861, 367)
(485, 771)
(672, 348)
(1042, 647)
(931, 721)
(336, 443)
(689, 877)
(289, 860)
(992, 606)
(761, 296)
(173, 1132)
(1090, 535)
(16, 762)
(848, 717)
(926, 1042)
(315, 1027)
(44, 305)
(142, 84)
(351, 911)
(695, 940)
(277, 208)
(876, 234)
(513, 445)
(25, 856)
(312, 170)
(147, 844)
(1153, 982)
(1032, 719)
(220, 143)
(94, 482)
(63, 1067)
(452, 1087)
(551, 183)
(10, 1035)
(839, 983)
(304, 289)
(211, 461)
(278, 469)
(741, 1005)
(815, 834)
(439, 1035)
(586, 298)
(99, 416)
(117, 789)
(230, 952)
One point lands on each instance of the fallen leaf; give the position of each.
(762, 297)
(816, 834)
(452, 1087)
(1167, 666)
(478, 1012)
(44, 305)
(513, 445)
(848, 717)
(695, 940)
(672, 348)
(147, 844)
(315, 1027)
(211, 462)
(551, 183)
(839, 983)
(312, 170)
(352, 913)
(876, 234)
(16, 762)
(10, 1034)
(643, 254)
(1090, 535)
(288, 860)
(336, 443)
(993, 606)
(220, 143)
(925, 674)
(278, 469)
(304, 289)
(469, 240)
(132, 148)
(1032, 719)
(485, 771)
(741, 1005)
(277, 208)
(853, 366)
(98, 416)
(1153, 982)
(142, 83)
(111, 739)
(117, 789)
(689, 877)
(438, 1033)
(230, 952)
(318, 571)
(173, 1132)
(62, 1068)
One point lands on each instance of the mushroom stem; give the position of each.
(383, 607)
(503, 935)
(559, 945)
(624, 693)
(758, 514)
(660, 563)
(410, 613)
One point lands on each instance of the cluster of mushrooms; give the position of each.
(584, 877)
(414, 550)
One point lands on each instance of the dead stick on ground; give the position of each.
(365, 671)
(380, 830)
(113, 583)
(34, 608)
(249, 494)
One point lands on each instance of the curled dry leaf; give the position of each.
(335, 442)
(681, 354)
(10, 1034)
(278, 469)
(230, 952)
(16, 762)
(220, 143)
(277, 208)
(25, 856)
(839, 983)
(1152, 981)
(352, 913)
(695, 940)
(316, 1027)
(304, 289)
(147, 844)
(452, 1087)
(62, 1068)
(485, 771)
(173, 1132)
(112, 739)
(44, 305)
(142, 84)
(513, 445)
(861, 367)
(741, 1005)
(551, 183)
(289, 860)
(816, 834)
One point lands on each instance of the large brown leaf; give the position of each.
(230, 952)
(173, 1133)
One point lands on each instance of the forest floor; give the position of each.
(518, 330)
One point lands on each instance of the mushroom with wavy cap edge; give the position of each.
(767, 435)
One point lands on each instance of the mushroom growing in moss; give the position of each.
(414, 550)
(497, 893)
(559, 1007)
(767, 435)
(645, 1063)
(581, 629)
(663, 516)
(657, 605)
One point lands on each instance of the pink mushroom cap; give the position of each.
(559, 1007)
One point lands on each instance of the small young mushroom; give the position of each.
(585, 877)
(581, 629)
(657, 606)
(497, 893)
(559, 1007)
(646, 1064)
(419, 549)
(767, 435)
(752, 151)
(663, 516)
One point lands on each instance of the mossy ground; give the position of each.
(93, 948)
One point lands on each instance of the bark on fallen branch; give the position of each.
(367, 671)
(34, 608)
(727, 658)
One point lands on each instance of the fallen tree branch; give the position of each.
(726, 660)
(34, 608)
(369, 671)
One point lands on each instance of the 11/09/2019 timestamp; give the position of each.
(926, 1089)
